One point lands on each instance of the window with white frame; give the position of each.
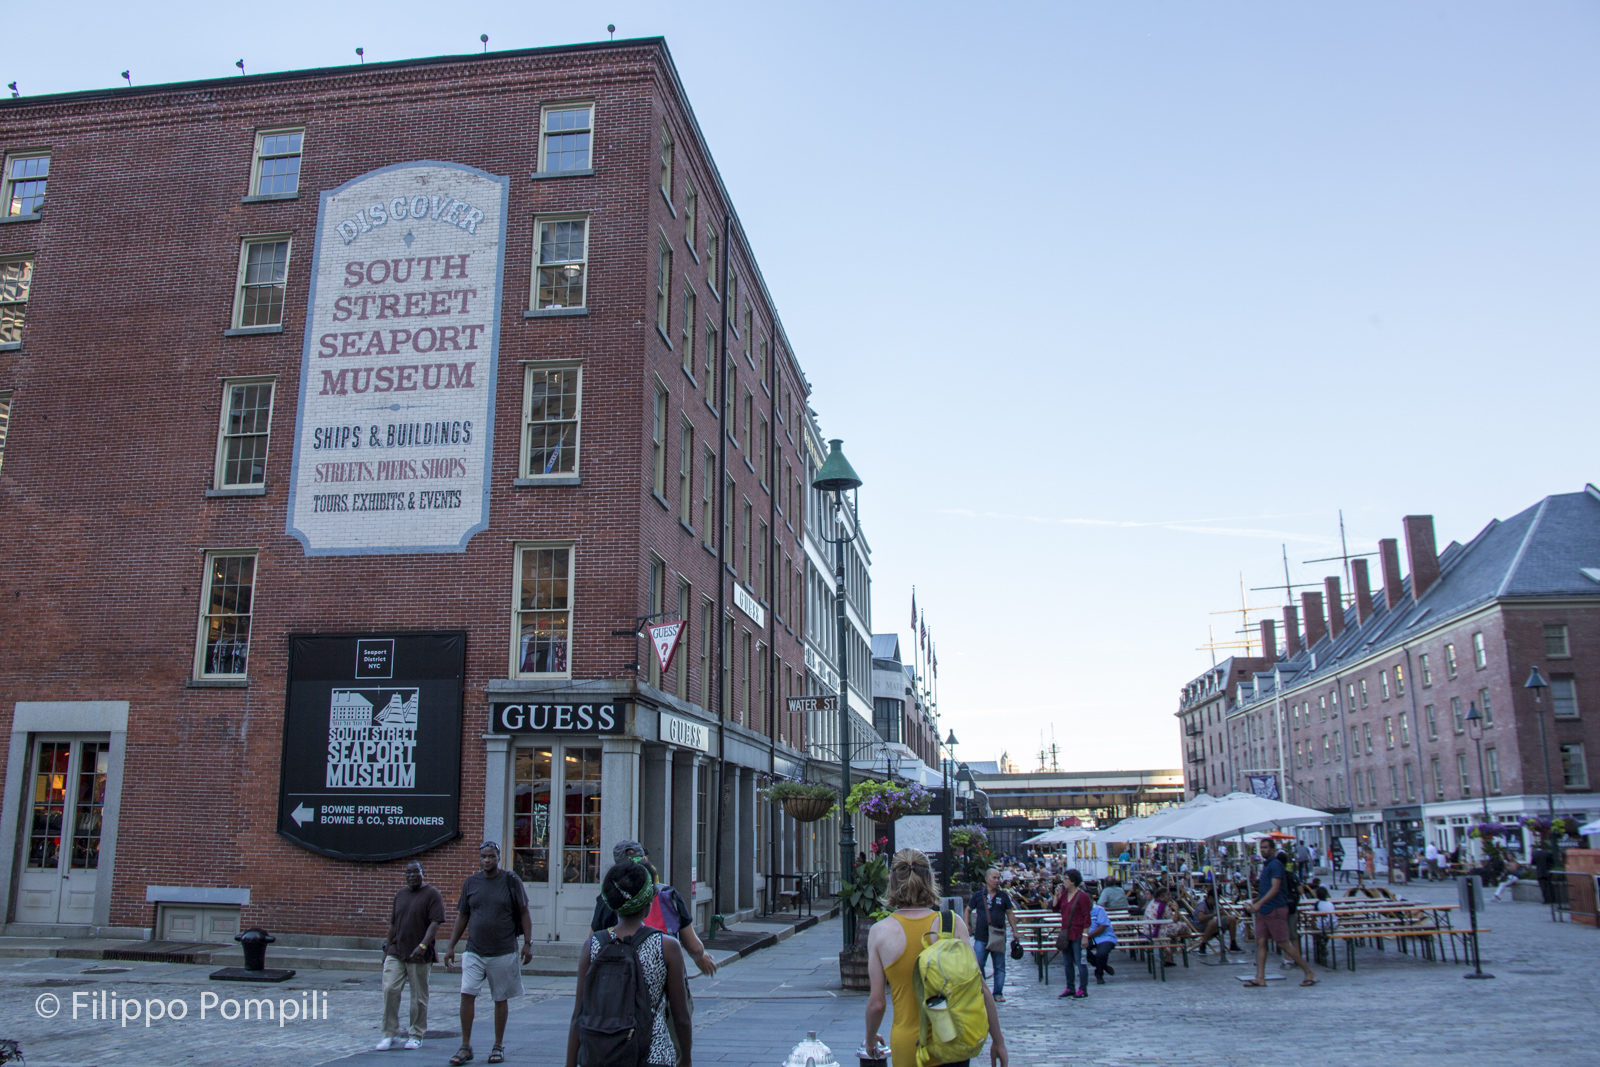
(5, 421)
(1438, 778)
(543, 622)
(1463, 774)
(275, 171)
(1574, 768)
(1450, 660)
(26, 175)
(222, 648)
(565, 138)
(16, 279)
(1411, 782)
(666, 161)
(1555, 641)
(685, 469)
(1388, 730)
(1363, 692)
(708, 491)
(1564, 696)
(1488, 708)
(1433, 722)
(657, 598)
(712, 246)
(1480, 652)
(690, 325)
(711, 361)
(263, 274)
(1383, 684)
(663, 286)
(1394, 784)
(706, 617)
(658, 443)
(1455, 714)
(691, 214)
(562, 276)
(1492, 756)
(552, 402)
(680, 661)
(1399, 680)
(1427, 672)
(1405, 728)
(243, 436)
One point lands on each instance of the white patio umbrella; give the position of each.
(1236, 813)
(1590, 828)
(1060, 835)
(1147, 828)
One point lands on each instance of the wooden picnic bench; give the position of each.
(1038, 930)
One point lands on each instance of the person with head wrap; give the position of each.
(667, 913)
(629, 891)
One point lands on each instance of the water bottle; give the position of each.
(939, 1020)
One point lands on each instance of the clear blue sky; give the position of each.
(1108, 301)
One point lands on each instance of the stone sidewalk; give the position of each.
(1393, 1010)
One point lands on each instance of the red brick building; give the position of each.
(474, 345)
(1367, 710)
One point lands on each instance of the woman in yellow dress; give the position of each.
(893, 946)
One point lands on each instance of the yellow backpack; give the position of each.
(949, 992)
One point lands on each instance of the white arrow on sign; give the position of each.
(666, 638)
(302, 815)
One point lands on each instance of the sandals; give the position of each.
(1253, 984)
(1308, 982)
(463, 1055)
(497, 1054)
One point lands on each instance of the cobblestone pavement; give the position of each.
(1394, 1009)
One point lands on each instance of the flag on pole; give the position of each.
(913, 609)
(924, 638)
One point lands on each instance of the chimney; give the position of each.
(1422, 553)
(1389, 555)
(1335, 607)
(1269, 639)
(1316, 626)
(1358, 571)
(1291, 632)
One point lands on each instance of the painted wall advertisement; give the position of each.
(395, 425)
(372, 743)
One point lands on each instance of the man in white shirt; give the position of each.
(1431, 854)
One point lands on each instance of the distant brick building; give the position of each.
(471, 347)
(1368, 715)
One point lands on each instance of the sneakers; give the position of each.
(1068, 994)
(1080, 994)
(414, 1043)
(385, 1045)
(1099, 979)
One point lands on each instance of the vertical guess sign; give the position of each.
(395, 424)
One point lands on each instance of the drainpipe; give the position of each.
(721, 386)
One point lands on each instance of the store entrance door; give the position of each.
(61, 867)
(556, 836)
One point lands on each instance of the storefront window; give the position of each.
(580, 860)
(531, 835)
(94, 761)
(49, 803)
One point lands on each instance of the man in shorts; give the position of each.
(493, 905)
(1271, 909)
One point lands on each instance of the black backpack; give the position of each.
(615, 1027)
(1291, 887)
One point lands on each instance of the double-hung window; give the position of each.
(25, 179)
(1450, 660)
(1438, 778)
(1488, 709)
(685, 470)
(1463, 774)
(563, 268)
(691, 214)
(551, 419)
(222, 647)
(666, 161)
(5, 421)
(712, 252)
(708, 494)
(658, 443)
(263, 275)
(1427, 672)
(543, 622)
(690, 325)
(1555, 641)
(1480, 652)
(16, 279)
(1564, 696)
(663, 286)
(1574, 767)
(711, 362)
(564, 145)
(275, 171)
(1455, 714)
(243, 437)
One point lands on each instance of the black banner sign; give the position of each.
(372, 743)
(590, 717)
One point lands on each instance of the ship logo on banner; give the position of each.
(372, 739)
(1265, 785)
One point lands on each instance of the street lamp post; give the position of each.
(1475, 728)
(1537, 683)
(837, 476)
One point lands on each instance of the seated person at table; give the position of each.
(1327, 920)
(1168, 923)
(1112, 898)
(1211, 922)
(1101, 939)
(1135, 901)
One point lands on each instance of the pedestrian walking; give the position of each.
(988, 912)
(614, 1020)
(893, 946)
(667, 913)
(414, 921)
(1544, 861)
(492, 908)
(1074, 907)
(1430, 856)
(1271, 910)
(1302, 859)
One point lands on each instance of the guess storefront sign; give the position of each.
(557, 718)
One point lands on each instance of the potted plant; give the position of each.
(864, 897)
(803, 801)
(972, 852)
(884, 802)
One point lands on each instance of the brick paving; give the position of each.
(1393, 1009)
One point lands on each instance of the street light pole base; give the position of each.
(1480, 975)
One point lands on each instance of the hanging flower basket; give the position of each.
(886, 802)
(802, 801)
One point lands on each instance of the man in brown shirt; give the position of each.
(407, 954)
